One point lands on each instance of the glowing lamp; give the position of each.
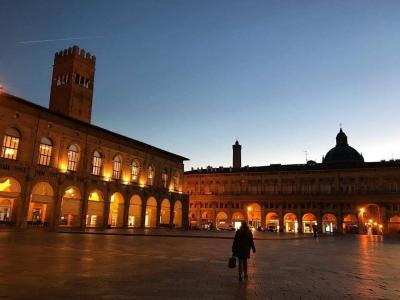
(362, 210)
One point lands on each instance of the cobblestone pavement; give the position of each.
(47, 265)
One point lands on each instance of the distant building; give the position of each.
(57, 169)
(343, 194)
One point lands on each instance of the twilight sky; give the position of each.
(191, 76)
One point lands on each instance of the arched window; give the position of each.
(150, 175)
(73, 158)
(176, 181)
(97, 163)
(117, 167)
(135, 171)
(10, 144)
(164, 178)
(45, 150)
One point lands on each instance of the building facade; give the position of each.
(58, 170)
(341, 194)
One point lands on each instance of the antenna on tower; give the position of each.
(306, 153)
(340, 125)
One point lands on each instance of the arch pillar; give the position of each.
(85, 203)
(319, 222)
(171, 213)
(127, 202)
(25, 198)
(143, 212)
(384, 219)
(106, 211)
(339, 220)
(159, 212)
(57, 207)
(263, 216)
(300, 221)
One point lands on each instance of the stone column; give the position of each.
(126, 209)
(384, 219)
(25, 201)
(59, 194)
(319, 222)
(85, 203)
(106, 213)
(172, 213)
(300, 220)
(143, 212)
(158, 212)
(263, 215)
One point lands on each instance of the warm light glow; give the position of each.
(125, 182)
(70, 193)
(9, 152)
(94, 196)
(106, 178)
(63, 167)
(362, 210)
(380, 226)
(370, 221)
(249, 208)
(375, 223)
(4, 186)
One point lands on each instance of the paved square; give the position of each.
(46, 265)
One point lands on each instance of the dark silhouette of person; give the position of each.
(241, 246)
(314, 229)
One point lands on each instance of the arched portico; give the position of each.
(329, 223)
(151, 213)
(41, 204)
(290, 223)
(394, 224)
(309, 220)
(254, 215)
(10, 191)
(237, 219)
(135, 211)
(178, 214)
(222, 218)
(95, 209)
(165, 214)
(71, 207)
(370, 219)
(116, 213)
(272, 222)
(350, 223)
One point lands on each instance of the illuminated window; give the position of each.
(10, 144)
(45, 150)
(150, 175)
(73, 158)
(164, 178)
(117, 167)
(135, 171)
(176, 181)
(97, 163)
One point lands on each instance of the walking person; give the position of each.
(242, 244)
(314, 229)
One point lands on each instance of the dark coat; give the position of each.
(242, 243)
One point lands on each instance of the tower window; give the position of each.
(10, 144)
(176, 181)
(45, 150)
(97, 163)
(117, 167)
(73, 158)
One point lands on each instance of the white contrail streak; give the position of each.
(62, 39)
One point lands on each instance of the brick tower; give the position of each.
(72, 83)
(237, 155)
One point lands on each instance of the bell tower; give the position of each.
(237, 155)
(72, 83)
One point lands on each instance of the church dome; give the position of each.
(342, 152)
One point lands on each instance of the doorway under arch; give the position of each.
(272, 222)
(71, 208)
(350, 223)
(151, 213)
(41, 205)
(329, 223)
(254, 215)
(290, 222)
(116, 214)
(95, 210)
(309, 220)
(10, 191)
(165, 213)
(178, 214)
(135, 211)
(221, 219)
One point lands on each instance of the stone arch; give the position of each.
(221, 218)
(116, 213)
(41, 204)
(309, 220)
(350, 223)
(370, 219)
(10, 199)
(272, 222)
(95, 209)
(165, 213)
(329, 223)
(135, 211)
(290, 223)
(237, 219)
(151, 213)
(71, 207)
(178, 214)
(254, 214)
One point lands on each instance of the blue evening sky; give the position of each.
(191, 76)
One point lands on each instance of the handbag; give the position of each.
(232, 262)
